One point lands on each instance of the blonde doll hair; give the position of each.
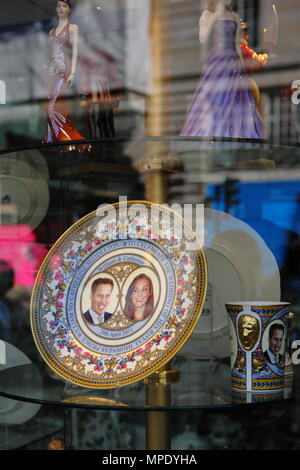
(226, 3)
(211, 5)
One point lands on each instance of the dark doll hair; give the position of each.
(68, 2)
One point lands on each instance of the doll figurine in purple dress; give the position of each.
(223, 104)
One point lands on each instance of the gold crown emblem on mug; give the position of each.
(248, 329)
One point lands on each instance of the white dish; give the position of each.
(13, 411)
(240, 267)
(25, 193)
(120, 350)
(35, 160)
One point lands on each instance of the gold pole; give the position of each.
(156, 186)
(158, 103)
(158, 394)
(156, 167)
(158, 422)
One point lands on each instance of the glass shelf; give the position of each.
(190, 155)
(80, 175)
(201, 385)
(13, 439)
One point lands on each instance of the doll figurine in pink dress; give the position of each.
(63, 42)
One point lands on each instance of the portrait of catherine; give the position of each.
(139, 302)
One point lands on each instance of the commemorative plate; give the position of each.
(118, 294)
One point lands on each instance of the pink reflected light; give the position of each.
(19, 248)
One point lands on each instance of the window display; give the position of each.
(98, 81)
(116, 320)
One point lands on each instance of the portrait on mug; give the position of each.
(273, 343)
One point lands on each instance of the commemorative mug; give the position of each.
(258, 345)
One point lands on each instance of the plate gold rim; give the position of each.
(166, 355)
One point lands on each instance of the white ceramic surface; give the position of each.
(13, 411)
(240, 266)
(26, 190)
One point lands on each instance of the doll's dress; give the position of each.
(223, 104)
(59, 126)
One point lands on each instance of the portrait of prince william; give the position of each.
(100, 296)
